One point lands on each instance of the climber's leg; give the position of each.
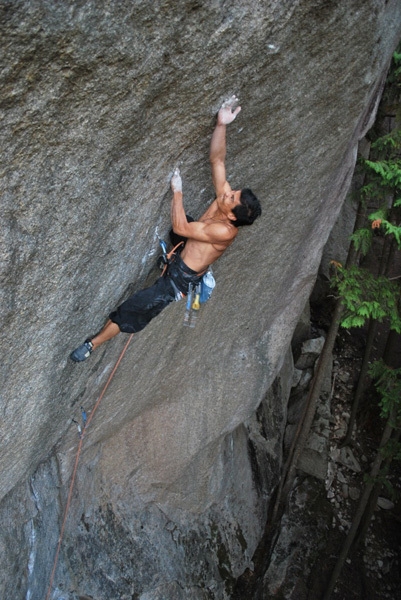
(83, 352)
(109, 331)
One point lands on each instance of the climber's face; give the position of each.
(231, 198)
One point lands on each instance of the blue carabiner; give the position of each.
(163, 246)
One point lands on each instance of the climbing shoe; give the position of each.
(82, 352)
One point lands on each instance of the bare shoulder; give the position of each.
(221, 230)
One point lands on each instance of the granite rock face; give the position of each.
(99, 101)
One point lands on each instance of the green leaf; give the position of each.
(362, 240)
(397, 57)
(392, 229)
(353, 321)
(366, 296)
(379, 214)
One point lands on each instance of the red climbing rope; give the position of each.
(74, 472)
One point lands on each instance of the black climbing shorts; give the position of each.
(136, 312)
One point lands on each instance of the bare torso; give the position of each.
(199, 255)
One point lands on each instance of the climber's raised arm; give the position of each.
(178, 216)
(227, 113)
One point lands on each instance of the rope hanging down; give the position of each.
(74, 472)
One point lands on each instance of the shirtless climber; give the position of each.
(206, 240)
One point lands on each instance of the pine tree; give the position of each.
(377, 298)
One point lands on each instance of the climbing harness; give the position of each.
(197, 295)
(165, 258)
(162, 261)
(74, 472)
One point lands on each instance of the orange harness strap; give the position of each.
(169, 255)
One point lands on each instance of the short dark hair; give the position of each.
(248, 210)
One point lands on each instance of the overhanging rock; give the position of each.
(99, 102)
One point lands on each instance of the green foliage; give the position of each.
(374, 191)
(388, 142)
(362, 239)
(384, 185)
(388, 227)
(392, 450)
(396, 70)
(366, 296)
(388, 384)
(388, 170)
(394, 230)
(378, 214)
(368, 190)
(397, 57)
